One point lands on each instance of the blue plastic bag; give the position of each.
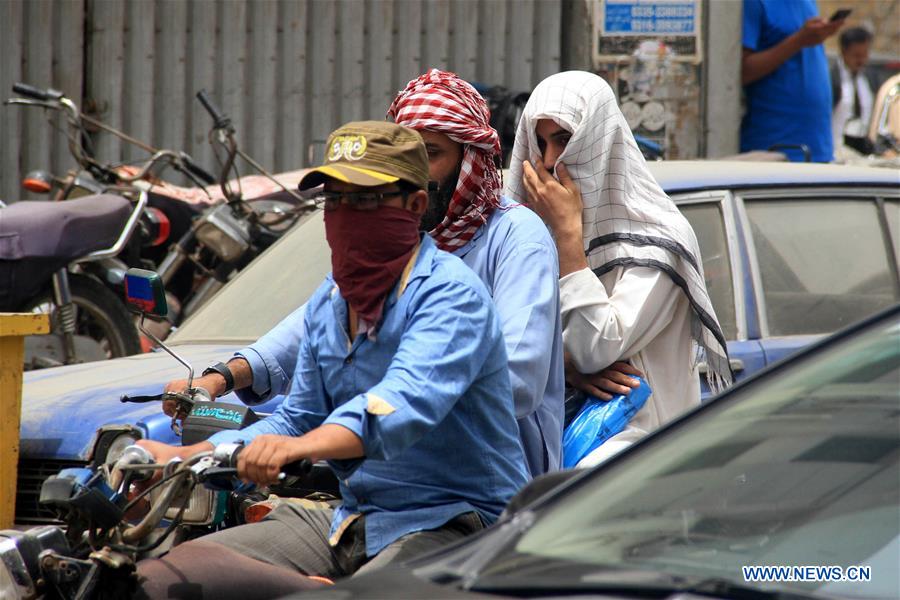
(599, 420)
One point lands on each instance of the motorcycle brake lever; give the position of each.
(184, 403)
(127, 398)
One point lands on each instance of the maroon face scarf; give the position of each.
(369, 250)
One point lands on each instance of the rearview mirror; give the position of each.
(145, 293)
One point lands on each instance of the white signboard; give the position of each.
(619, 26)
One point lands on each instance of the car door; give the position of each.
(820, 259)
(711, 214)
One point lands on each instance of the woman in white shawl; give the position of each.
(631, 279)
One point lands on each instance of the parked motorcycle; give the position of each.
(229, 235)
(44, 251)
(163, 217)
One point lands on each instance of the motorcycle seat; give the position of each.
(62, 230)
(39, 237)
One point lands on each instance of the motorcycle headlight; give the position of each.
(19, 558)
(112, 441)
(15, 581)
(204, 506)
(224, 234)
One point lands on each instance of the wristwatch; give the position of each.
(223, 370)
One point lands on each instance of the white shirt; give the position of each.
(842, 120)
(636, 314)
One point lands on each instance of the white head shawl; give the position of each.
(628, 219)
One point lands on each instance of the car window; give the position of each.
(797, 469)
(823, 263)
(269, 289)
(892, 211)
(709, 226)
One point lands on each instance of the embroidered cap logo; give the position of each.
(348, 147)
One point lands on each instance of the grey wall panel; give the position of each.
(320, 99)
(137, 99)
(407, 31)
(105, 74)
(12, 138)
(42, 43)
(171, 94)
(232, 68)
(202, 60)
(286, 71)
(68, 69)
(436, 30)
(37, 67)
(258, 139)
(548, 31)
(350, 61)
(519, 45)
(291, 127)
(464, 44)
(491, 42)
(381, 85)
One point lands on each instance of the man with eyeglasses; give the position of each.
(401, 384)
(503, 242)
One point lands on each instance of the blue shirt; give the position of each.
(791, 105)
(429, 397)
(516, 258)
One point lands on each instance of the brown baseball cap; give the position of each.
(372, 153)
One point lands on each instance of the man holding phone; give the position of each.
(785, 77)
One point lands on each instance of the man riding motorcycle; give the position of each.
(401, 383)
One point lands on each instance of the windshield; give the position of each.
(799, 470)
(268, 290)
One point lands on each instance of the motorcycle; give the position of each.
(228, 236)
(93, 554)
(46, 250)
(163, 217)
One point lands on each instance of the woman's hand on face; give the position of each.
(558, 203)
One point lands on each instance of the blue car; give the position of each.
(791, 252)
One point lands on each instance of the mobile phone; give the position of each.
(840, 14)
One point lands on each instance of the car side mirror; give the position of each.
(145, 293)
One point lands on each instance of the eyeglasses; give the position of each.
(355, 200)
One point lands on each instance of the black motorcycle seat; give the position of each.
(38, 238)
(62, 230)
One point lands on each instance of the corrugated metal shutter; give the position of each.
(287, 72)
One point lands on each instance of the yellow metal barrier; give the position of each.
(13, 329)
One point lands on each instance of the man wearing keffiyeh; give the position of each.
(510, 250)
(503, 242)
(441, 105)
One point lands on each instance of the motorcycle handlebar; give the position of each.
(220, 119)
(197, 170)
(228, 454)
(36, 93)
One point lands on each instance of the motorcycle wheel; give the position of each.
(100, 315)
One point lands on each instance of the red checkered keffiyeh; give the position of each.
(441, 101)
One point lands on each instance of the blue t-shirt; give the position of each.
(792, 105)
